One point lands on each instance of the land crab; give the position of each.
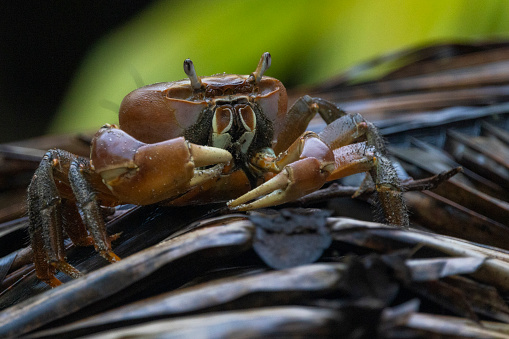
(224, 137)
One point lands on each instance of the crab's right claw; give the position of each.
(143, 174)
(294, 181)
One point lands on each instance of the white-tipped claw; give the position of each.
(273, 192)
(205, 156)
(201, 176)
(191, 73)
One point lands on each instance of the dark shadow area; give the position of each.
(42, 45)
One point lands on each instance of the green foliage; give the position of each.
(309, 42)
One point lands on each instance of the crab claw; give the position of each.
(294, 181)
(143, 174)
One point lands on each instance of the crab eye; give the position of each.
(262, 67)
(196, 83)
(222, 120)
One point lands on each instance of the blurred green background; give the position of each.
(309, 42)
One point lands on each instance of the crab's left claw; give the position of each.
(296, 180)
(306, 165)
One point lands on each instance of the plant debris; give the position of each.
(277, 235)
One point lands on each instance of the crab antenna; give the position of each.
(262, 67)
(191, 73)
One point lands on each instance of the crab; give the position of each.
(195, 141)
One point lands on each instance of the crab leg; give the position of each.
(366, 156)
(387, 183)
(369, 156)
(91, 211)
(45, 227)
(352, 159)
(343, 129)
(76, 230)
(297, 119)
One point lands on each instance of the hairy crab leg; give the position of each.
(360, 157)
(90, 209)
(45, 227)
(352, 159)
(342, 129)
(73, 225)
(387, 183)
